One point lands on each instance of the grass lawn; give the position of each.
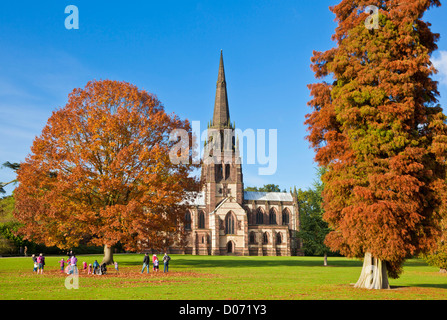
(217, 278)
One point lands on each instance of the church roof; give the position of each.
(198, 199)
(267, 196)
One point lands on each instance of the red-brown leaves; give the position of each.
(100, 171)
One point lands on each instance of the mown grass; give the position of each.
(218, 278)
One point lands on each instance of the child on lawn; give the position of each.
(62, 264)
(156, 264)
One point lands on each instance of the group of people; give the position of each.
(95, 268)
(155, 263)
(38, 263)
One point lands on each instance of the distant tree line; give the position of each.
(265, 188)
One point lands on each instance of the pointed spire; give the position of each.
(221, 116)
(221, 75)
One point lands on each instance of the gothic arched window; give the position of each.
(227, 171)
(278, 238)
(188, 220)
(285, 216)
(219, 172)
(229, 223)
(248, 213)
(259, 216)
(201, 220)
(252, 238)
(272, 216)
(265, 238)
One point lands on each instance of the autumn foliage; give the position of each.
(378, 130)
(100, 172)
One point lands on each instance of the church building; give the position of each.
(226, 220)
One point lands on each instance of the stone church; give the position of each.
(226, 220)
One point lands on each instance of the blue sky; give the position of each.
(171, 48)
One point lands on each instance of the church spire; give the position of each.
(221, 116)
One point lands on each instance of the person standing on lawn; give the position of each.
(95, 266)
(166, 259)
(40, 263)
(146, 262)
(36, 265)
(73, 262)
(156, 264)
(154, 257)
(62, 264)
(34, 262)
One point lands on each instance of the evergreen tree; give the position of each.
(380, 133)
(265, 188)
(313, 229)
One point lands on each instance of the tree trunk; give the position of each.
(108, 255)
(374, 274)
(325, 260)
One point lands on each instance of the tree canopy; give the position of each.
(100, 171)
(380, 133)
(265, 188)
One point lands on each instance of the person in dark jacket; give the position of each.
(166, 259)
(146, 262)
(95, 267)
(103, 268)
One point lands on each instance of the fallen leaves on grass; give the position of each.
(130, 273)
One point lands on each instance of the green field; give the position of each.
(218, 277)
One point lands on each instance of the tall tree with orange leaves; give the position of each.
(378, 130)
(100, 172)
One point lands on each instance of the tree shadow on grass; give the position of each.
(257, 261)
(421, 285)
(247, 262)
(432, 285)
(415, 263)
(251, 263)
